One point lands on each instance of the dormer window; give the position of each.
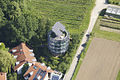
(26, 78)
(34, 67)
(49, 68)
(38, 78)
(29, 64)
(32, 54)
(31, 50)
(31, 73)
(17, 63)
(15, 56)
(14, 50)
(43, 64)
(34, 60)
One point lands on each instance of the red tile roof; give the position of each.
(23, 54)
(38, 66)
(3, 76)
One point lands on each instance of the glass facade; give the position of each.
(58, 46)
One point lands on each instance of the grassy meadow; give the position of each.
(69, 12)
(74, 14)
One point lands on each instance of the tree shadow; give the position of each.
(102, 13)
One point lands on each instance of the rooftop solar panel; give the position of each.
(58, 25)
(57, 32)
(34, 67)
(57, 28)
(109, 10)
(41, 73)
(114, 11)
(118, 12)
(55, 77)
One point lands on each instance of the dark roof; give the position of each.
(55, 77)
(57, 28)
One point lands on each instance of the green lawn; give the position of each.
(70, 12)
(118, 76)
(74, 14)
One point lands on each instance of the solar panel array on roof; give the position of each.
(34, 67)
(55, 77)
(109, 10)
(41, 73)
(57, 28)
(118, 13)
(113, 10)
(57, 32)
(58, 25)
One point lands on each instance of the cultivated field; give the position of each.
(102, 61)
(116, 2)
(110, 23)
(106, 32)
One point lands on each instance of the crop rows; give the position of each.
(117, 2)
(110, 25)
(70, 12)
(110, 21)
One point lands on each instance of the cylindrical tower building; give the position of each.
(58, 39)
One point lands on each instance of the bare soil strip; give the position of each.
(109, 29)
(102, 61)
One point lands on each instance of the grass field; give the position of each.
(118, 76)
(74, 14)
(70, 12)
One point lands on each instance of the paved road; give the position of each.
(94, 15)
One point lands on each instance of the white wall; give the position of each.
(46, 77)
(19, 70)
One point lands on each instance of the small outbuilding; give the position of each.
(113, 12)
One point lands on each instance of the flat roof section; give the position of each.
(113, 10)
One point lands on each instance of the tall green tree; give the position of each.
(6, 59)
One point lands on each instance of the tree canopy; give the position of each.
(6, 59)
(20, 25)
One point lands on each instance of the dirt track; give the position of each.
(102, 61)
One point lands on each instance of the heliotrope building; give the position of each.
(58, 39)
